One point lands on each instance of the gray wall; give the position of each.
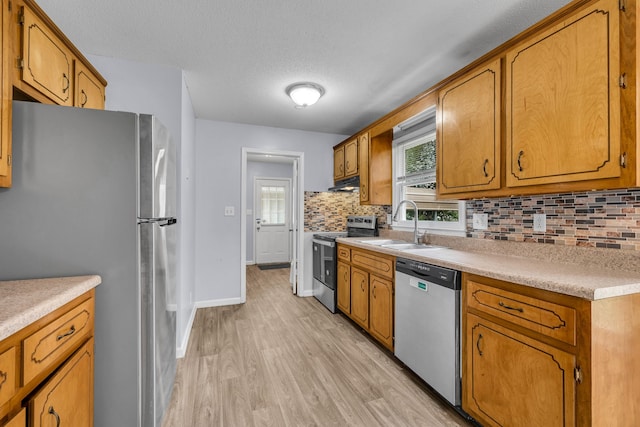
(161, 91)
(218, 175)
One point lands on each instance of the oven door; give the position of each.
(324, 262)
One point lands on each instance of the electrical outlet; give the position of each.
(480, 221)
(229, 211)
(540, 222)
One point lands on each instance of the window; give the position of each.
(414, 158)
(273, 206)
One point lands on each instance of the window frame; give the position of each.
(399, 147)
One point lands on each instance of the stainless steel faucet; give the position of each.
(415, 218)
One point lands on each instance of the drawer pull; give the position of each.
(55, 414)
(66, 334)
(3, 378)
(478, 344)
(503, 305)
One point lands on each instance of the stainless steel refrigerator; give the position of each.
(94, 192)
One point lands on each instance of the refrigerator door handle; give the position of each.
(162, 222)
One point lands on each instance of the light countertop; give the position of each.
(583, 281)
(23, 302)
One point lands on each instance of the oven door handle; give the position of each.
(324, 243)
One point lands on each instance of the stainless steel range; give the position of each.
(325, 258)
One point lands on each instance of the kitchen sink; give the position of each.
(381, 242)
(423, 249)
(403, 246)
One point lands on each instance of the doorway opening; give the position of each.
(294, 162)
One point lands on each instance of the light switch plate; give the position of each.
(229, 211)
(540, 222)
(480, 221)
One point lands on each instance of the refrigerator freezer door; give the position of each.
(157, 170)
(157, 267)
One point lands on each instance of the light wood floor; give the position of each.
(281, 360)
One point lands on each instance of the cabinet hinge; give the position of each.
(9, 6)
(21, 17)
(623, 160)
(622, 6)
(577, 374)
(623, 81)
(20, 63)
(9, 159)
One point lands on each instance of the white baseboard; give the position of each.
(182, 349)
(219, 302)
(250, 263)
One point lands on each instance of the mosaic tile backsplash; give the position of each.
(327, 211)
(603, 219)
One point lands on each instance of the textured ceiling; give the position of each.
(240, 55)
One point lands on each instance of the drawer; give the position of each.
(45, 347)
(344, 253)
(8, 373)
(547, 318)
(375, 262)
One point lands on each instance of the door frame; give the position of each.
(289, 199)
(298, 232)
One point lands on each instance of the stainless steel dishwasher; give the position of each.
(427, 325)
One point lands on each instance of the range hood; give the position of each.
(347, 185)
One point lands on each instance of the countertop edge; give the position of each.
(65, 289)
(559, 284)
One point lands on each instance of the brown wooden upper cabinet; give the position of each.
(345, 160)
(47, 64)
(563, 100)
(468, 131)
(89, 91)
(40, 64)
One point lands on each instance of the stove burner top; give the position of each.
(329, 237)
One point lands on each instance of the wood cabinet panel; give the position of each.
(360, 297)
(344, 287)
(554, 320)
(378, 263)
(89, 92)
(563, 101)
(363, 167)
(338, 163)
(48, 64)
(5, 96)
(46, 346)
(514, 380)
(381, 310)
(67, 398)
(8, 375)
(351, 158)
(20, 420)
(344, 253)
(469, 131)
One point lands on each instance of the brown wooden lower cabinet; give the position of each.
(537, 358)
(52, 379)
(67, 398)
(365, 290)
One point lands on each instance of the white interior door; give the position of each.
(272, 220)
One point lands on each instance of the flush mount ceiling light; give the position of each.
(305, 94)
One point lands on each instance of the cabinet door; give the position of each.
(381, 310)
(563, 101)
(363, 166)
(511, 379)
(47, 62)
(67, 398)
(89, 92)
(360, 297)
(351, 158)
(338, 163)
(8, 375)
(344, 287)
(469, 132)
(5, 97)
(19, 420)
